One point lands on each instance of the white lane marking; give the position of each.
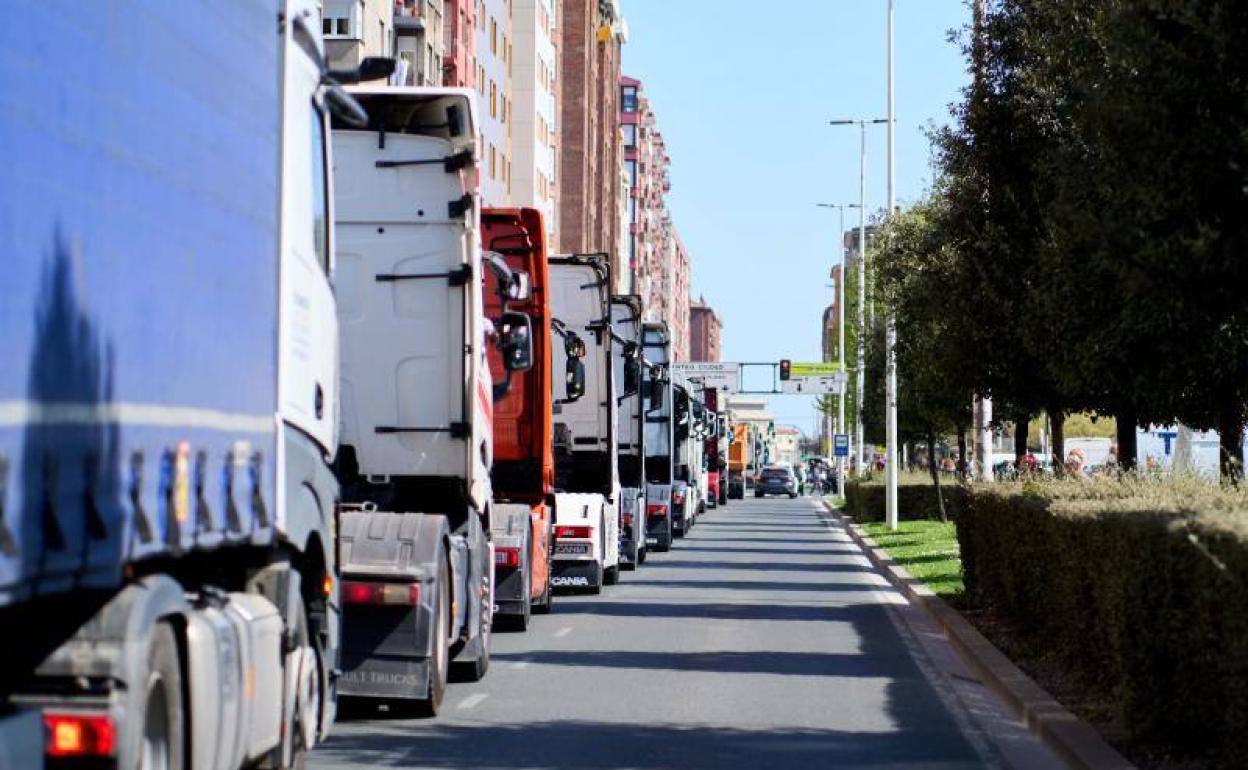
(563, 631)
(472, 701)
(520, 664)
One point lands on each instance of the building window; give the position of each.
(493, 100)
(493, 162)
(629, 131)
(632, 172)
(628, 101)
(341, 19)
(494, 37)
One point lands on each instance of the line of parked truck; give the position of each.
(286, 415)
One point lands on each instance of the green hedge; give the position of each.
(1139, 589)
(916, 498)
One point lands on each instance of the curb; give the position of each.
(1074, 740)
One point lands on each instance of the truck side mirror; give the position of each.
(454, 121)
(655, 395)
(575, 379)
(520, 288)
(574, 345)
(632, 376)
(517, 342)
(372, 68)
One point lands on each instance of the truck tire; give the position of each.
(474, 670)
(596, 588)
(641, 555)
(308, 703)
(611, 575)
(163, 742)
(439, 666)
(520, 622)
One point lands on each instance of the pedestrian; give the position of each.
(1074, 463)
(801, 480)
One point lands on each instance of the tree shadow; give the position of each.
(61, 510)
(847, 551)
(715, 611)
(763, 566)
(761, 585)
(591, 745)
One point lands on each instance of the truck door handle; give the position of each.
(318, 401)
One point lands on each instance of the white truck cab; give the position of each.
(417, 402)
(660, 442)
(587, 480)
(629, 364)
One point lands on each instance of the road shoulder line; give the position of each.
(1074, 740)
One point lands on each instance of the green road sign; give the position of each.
(814, 368)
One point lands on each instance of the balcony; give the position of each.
(409, 17)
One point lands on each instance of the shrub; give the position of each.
(916, 498)
(1136, 587)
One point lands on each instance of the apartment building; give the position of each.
(646, 167)
(494, 48)
(705, 330)
(591, 34)
(459, 65)
(534, 108)
(409, 30)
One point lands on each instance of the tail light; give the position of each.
(678, 498)
(360, 592)
(627, 519)
(506, 557)
(656, 510)
(573, 532)
(79, 735)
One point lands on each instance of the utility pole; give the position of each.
(982, 407)
(890, 341)
(860, 365)
(840, 320)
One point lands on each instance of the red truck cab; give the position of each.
(523, 471)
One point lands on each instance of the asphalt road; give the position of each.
(763, 640)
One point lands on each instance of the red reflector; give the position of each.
(678, 497)
(573, 532)
(628, 518)
(507, 557)
(78, 735)
(656, 510)
(358, 592)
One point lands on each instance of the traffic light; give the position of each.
(785, 365)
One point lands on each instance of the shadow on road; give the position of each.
(762, 585)
(588, 745)
(802, 664)
(813, 613)
(761, 566)
(846, 551)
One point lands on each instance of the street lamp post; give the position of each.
(840, 319)
(860, 364)
(890, 339)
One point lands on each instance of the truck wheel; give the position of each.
(521, 622)
(611, 575)
(163, 737)
(309, 697)
(474, 670)
(546, 603)
(641, 555)
(435, 684)
(596, 588)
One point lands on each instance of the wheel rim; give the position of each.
(156, 727)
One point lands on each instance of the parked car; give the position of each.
(776, 480)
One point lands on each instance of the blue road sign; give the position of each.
(840, 444)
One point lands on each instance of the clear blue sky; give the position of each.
(743, 92)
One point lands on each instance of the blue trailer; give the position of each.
(169, 384)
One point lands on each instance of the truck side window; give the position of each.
(320, 192)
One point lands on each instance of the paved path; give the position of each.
(763, 640)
